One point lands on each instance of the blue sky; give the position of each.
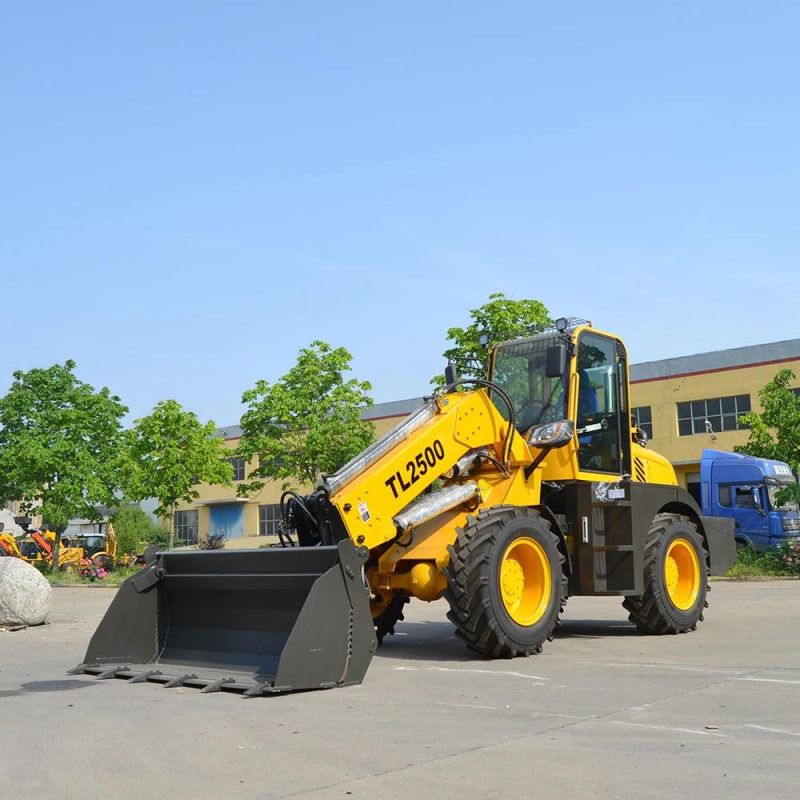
(193, 191)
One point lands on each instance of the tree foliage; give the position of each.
(775, 432)
(169, 452)
(307, 423)
(499, 319)
(60, 446)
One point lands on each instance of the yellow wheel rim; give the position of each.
(525, 581)
(682, 574)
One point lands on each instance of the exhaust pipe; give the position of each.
(433, 504)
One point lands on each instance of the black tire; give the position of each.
(473, 578)
(390, 616)
(653, 612)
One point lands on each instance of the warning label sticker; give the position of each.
(364, 512)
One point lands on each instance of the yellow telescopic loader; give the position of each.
(504, 496)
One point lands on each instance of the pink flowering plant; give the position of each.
(790, 556)
(93, 572)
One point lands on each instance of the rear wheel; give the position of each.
(506, 585)
(675, 578)
(103, 560)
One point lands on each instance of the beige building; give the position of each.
(685, 404)
(692, 402)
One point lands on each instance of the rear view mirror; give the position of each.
(757, 500)
(556, 361)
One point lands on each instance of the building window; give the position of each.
(269, 517)
(238, 467)
(186, 525)
(643, 418)
(713, 416)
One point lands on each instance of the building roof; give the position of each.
(229, 432)
(394, 408)
(717, 360)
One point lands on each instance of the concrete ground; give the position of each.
(602, 713)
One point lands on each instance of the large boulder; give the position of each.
(25, 594)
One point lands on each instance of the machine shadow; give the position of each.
(436, 641)
(595, 629)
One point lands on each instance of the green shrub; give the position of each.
(213, 541)
(783, 561)
(136, 530)
(159, 537)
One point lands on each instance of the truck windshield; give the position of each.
(519, 369)
(772, 491)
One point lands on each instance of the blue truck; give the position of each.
(744, 488)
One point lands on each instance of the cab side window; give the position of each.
(744, 497)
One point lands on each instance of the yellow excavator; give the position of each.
(98, 549)
(8, 545)
(36, 547)
(504, 495)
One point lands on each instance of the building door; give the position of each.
(693, 487)
(226, 519)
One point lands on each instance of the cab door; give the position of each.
(602, 416)
(749, 516)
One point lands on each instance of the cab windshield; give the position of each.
(29, 549)
(772, 490)
(519, 369)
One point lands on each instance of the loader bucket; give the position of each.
(255, 621)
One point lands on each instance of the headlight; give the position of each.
(553, 434)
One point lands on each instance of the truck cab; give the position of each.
(744, 489)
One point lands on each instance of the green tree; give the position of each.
(775, 432)
(307, 423)
(60, 446)
(497, 320)
(169, 452)
(136, 529)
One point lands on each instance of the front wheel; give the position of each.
(675, 578)
(506, 585)
(386, 614)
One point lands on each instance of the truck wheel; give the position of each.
(675, 578)
(506, 585)
(103, 560)
(387, 615)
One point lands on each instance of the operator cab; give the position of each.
(569, 386)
